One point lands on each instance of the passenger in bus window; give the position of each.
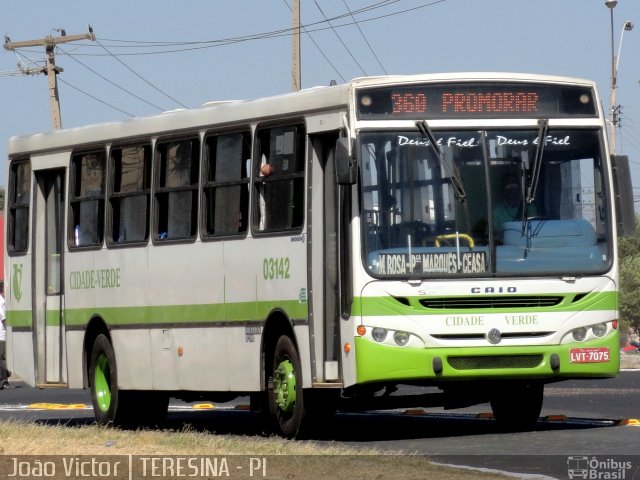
(509, 207)
(266, 169)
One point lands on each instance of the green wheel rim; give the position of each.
(285, 386)
(101, 383)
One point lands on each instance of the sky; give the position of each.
(156, 55)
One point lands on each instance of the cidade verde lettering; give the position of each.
(521, 319)
(464, 321)
(99, 278)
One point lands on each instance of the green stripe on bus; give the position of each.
(142, 315)
(166, 314)
(53, 318)
(19, 318)
(24, 318)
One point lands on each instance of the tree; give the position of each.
(629, 300)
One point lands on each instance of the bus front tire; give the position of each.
(285, 401)
(103, 380)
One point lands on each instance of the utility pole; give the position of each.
(295, 46)
(50, 42)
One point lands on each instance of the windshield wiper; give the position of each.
(452, 172)
(536, 165)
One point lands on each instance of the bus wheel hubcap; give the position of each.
(285, 386)
(102, 388)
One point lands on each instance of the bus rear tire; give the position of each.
(285, 403)
(517, 406)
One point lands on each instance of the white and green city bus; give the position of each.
(454, 231)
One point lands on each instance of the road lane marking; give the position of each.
(632, 422)
(416, 412)
(81, 406)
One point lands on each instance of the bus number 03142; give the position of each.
(276, 268)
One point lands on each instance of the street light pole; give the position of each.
(626, 26)
(614, 113)
(611, 4)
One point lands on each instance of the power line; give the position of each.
(318, 47)
(630, 133)
(318, 26)
(141, 77)
(341, 41)
(112, 82)
(73, 57)
(365, 38)
(95, 98)
(22, 70)
(19, 55)
(261, 36)
(258, 36)
(49, 43)
(629, 137)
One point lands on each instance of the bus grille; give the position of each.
(495, 361)
(482, 336)
(500, 301)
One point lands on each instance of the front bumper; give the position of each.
(383, 363)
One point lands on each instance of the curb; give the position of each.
(630, 361)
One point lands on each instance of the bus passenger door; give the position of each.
(48, 234)
(324, 260)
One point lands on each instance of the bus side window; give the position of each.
(226, 188)
(86, 199)
(176, 197)
(19, 203)
(279, 179)
(129, 194)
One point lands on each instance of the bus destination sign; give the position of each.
(475, 100)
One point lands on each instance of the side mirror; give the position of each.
(346, 166)
(623, 191)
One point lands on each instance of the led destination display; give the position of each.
(481, 100)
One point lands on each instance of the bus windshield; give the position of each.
(522, 209)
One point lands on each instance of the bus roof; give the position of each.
(469, 77)
(221, 113)
(212, 114)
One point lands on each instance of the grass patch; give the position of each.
(287, 458)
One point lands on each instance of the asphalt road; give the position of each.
(580, 419)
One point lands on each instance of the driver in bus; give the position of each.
(509, 207)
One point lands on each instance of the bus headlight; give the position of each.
(579, 334)
(401, 338)
(599, 330)
(379, 334)
(390, 337)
